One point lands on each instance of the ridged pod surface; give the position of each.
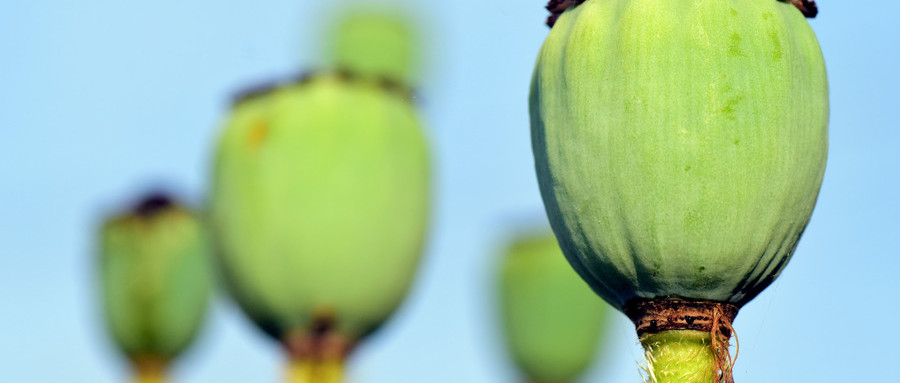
(319, 204)
(155, 280)
(680, 145)
(553, 323)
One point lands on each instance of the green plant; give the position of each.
(320, 200)
(552, 321)
(680, 147)
(371, 43)
(155, 283)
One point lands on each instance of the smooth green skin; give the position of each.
(155, 281)
(680, 356)
(376, 43)
(680, 144)
(319, 204)
(552, 321)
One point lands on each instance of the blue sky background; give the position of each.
(101, 99)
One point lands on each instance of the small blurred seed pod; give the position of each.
(155, 283)
(375, 44)
(553, 323)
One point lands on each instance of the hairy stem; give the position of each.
(686, 356)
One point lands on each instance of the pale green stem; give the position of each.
(150, 371)
(150, 378)
(319, 371)
(681, 356)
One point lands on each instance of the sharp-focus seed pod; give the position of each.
(680, 146)
(552, 321)
(319, 208)
(155, 283)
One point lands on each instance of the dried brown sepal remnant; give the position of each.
(719, 335)
(658, 315)
(318, 342)
(807, 7)
(557, 7)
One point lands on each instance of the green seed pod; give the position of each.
(319, 205)
(155, 282)
(680, 147)
(373, 43)
(552, 321)
(320, 198)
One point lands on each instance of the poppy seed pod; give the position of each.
(680, 147)
(155, 282)
(553, 323)
(320, 204)
(375, 44)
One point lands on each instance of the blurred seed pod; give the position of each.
(553, 323)
(319, 208)
(155, 282)
(376, 43)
